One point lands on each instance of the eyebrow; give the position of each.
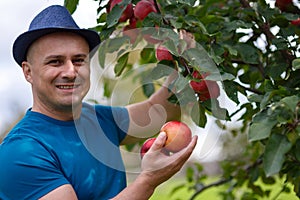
(60, 56)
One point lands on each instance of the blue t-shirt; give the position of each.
(42, 153)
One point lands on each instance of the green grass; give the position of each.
(164, 192)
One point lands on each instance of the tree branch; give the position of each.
(226, 180)
(217, 183)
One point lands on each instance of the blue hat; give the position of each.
(52, 19)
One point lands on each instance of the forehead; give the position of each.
(60, 40)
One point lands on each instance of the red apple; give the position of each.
(283, 4)
(199, 85)
(206, 89)
(146, 146)
(128, 12)
(143, 8)
(296, 22)
(178, 134)
(162, 53)
(212, 92)
(132, 22)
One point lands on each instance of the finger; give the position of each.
(159, 142)
(179, 159)
(185, 153)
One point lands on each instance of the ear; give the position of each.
(27, 71)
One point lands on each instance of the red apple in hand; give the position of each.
(179, 135)
(146, 146)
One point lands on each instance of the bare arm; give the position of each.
(147, 117)
(63, 192)
(156, 169)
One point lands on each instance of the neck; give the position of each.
(63, 113)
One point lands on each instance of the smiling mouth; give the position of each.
(67, 86)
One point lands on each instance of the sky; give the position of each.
(16, 15)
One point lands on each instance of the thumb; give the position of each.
(159, 142)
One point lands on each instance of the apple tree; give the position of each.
(242, 47)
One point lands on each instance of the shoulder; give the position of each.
(28, 169)
(105, 111)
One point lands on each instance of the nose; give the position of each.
(69, 70)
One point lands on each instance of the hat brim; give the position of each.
(23, 42)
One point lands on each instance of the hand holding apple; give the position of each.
(158, 167)
(178, 136)
(146, 146)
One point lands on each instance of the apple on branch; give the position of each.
(143, 8)
(162, 53)
(127, 13)
(206, 89)
(296, 22)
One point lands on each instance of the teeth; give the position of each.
(66, 87)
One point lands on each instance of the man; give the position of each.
(66, 149)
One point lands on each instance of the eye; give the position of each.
(54, 62)
(79, 61)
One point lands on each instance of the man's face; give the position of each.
(57, 67)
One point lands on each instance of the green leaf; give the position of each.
(232, 51)
(213, 106)
(114, 16)
(261, 126)
(161, 71)
(181, 83)
(195, 22)
(297, 151)
(115, 13)
(71, 5)
(296, 63)
(169, 44)
(115, 44)
(111, 46)
(199, 58)
(231, 89)
(291, 102)
(185, 96)
(148, 89)
(198, 115)
(187, 2)
(108, 85)
(274, 156)
(121, 64)
(189, 174)
(248, 53)
(216, 76)
(147, 55)
(102, 18)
